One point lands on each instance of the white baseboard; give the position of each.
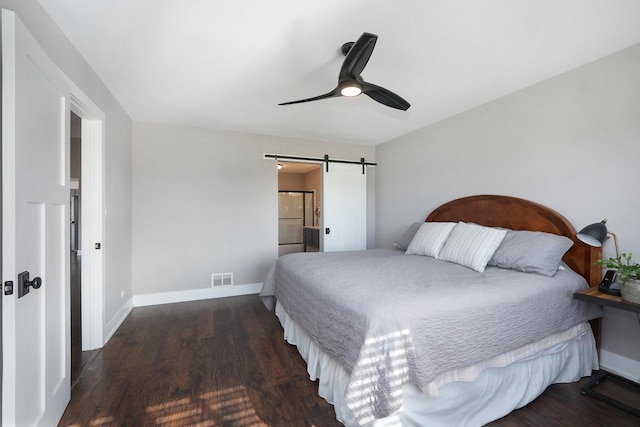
(196, 294)
(620, 365)
(113, 325)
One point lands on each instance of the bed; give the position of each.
(467, 323)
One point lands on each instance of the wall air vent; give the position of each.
(221, 279)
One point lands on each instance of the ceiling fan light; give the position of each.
(351, 90)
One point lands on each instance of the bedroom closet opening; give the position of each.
(298, 207)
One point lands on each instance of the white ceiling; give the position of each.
(227, 64)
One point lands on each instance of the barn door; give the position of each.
(344, 218)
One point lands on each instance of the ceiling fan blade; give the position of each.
(358, 56)
(332, 94)
(350, 83)
(385, 96)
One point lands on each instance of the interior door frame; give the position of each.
(291, 159)
(1, 240)
(93, 217)
(93, 134)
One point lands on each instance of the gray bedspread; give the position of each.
(392, 319)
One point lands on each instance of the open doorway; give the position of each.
(78, 359)
(299, 196)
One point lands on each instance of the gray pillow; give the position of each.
(531, 252)
(407, 237)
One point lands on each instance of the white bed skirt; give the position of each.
(493, 394)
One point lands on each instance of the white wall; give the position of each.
(571, 143)
(205, 201)
(117, 162)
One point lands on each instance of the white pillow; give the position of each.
(429, 238)
(471, 245)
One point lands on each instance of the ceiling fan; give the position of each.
(351, 83)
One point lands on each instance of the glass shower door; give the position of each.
(295, 211)
(290, 217)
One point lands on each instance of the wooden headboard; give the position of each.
(519, 214)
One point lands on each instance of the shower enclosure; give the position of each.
(295, 211)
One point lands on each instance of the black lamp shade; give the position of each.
(594, 234)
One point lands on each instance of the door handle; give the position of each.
(8, 287)
(24, 283)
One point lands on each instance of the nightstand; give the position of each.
(592, 295)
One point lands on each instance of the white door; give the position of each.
(344, 217)
(35, 231)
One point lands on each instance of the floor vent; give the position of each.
(221, 279)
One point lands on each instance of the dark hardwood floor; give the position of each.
(224, 363)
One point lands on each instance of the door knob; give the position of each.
(24, 283)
